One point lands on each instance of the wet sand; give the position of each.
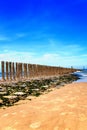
(60, 109)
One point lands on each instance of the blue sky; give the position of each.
(50, 32)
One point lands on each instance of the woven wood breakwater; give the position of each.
(20, 71)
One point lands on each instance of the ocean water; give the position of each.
(0, 75)
(82, 75)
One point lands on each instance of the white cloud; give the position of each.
(26, 56)
(16, 56)
(50, 56)
(54, 59)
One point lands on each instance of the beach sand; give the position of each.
(60, 109)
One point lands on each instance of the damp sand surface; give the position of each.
(60, 109)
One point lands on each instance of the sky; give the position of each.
(47, 32)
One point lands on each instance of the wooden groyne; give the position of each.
(18, 71)
(21, 80)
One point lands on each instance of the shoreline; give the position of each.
(11, 92)
(56, 110)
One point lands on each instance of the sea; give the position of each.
(1, 75)
(81, 74)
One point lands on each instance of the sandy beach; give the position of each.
(60, 109)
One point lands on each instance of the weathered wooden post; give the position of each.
(46, 71)
(40, 73)
(31, 74)
(34, 70)
(30, 70)
(17, 71)
(10, 71)
(57, 71)
(50, 72)
(21, 70)
(3, 74)
(6, 70)
(25, 70)
(37, 71)
(43, 70)
(13, 70)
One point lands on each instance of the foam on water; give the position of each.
(82, 75)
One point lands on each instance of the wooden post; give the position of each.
(3, 75)
(6, 70)
(10, 70)
(17, 71)
(13, 71)
(30, 70)
(25, 70)
(21, 70)
(34, 70)
(40, 71)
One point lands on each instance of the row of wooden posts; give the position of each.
(19, 71)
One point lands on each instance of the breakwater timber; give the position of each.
(23, 80)
(20, 71)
